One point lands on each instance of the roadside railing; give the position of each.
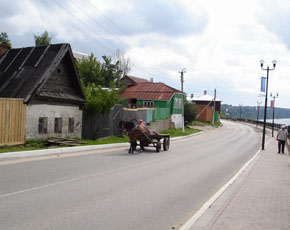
(261, 123)
(257, 123)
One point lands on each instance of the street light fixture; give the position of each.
(274, 62)
(274, 96)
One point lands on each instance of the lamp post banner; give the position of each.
(272, 104)
(263, 84)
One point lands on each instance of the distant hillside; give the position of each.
(250, 112)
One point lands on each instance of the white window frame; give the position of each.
(148, 103)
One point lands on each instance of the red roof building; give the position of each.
(150, 91)
(158, 101)
(131, 81)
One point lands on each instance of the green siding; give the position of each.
(150, 116)
(216, 116)
(162, 113)
(163, 109)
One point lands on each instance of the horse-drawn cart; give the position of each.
(143, 137)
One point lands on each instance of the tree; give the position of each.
(90, 71)
(4, 39)
(124, 63)
(100, 100)
(190, 112)
(111, 72)
(95, 75)
(42, 40)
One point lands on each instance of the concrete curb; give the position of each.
(68, 150)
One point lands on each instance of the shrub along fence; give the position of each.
(12, 121)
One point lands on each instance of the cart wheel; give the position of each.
(158, 146)
(166, 143)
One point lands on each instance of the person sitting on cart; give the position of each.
(142, 123)
(142, 126)
(145, 129)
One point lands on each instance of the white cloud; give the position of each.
(220, 43)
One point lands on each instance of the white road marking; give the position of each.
(206, 205)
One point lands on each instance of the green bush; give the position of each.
(190, 113)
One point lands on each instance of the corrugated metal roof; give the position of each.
(24, 71)
(150, 91)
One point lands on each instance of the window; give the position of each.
(42, 125)
(177, 103)
(71, 124)
(58, 125)
(148, 103)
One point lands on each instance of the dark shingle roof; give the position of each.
(150, 91)
(24, 71)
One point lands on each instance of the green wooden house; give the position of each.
(159, 100)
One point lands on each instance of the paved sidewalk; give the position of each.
(258, 200)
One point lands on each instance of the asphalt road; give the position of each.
(114, 190)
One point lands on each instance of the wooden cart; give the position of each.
(140, 135)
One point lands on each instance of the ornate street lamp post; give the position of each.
(266, 98)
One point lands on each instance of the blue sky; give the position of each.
(220, 43)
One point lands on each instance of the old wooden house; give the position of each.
(47, 80)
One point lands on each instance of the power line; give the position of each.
(120, 29)
(83, 23)
(46, 3)
(106, 30)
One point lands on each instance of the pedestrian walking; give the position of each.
(282, 138)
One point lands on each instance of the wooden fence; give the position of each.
(12, 121)
(102, 125)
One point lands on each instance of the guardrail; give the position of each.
(261, 123)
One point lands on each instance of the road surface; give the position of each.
(114, 190)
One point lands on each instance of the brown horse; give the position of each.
(135, 132)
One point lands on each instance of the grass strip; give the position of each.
(38, 144)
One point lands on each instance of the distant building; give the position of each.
(132, 81)
(80, 56)
(205, 105)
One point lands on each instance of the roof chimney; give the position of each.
(3, 48)
(191, 95)
(205, 92)
(151, 79)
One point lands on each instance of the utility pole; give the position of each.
(213, 116)
(182, 104)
